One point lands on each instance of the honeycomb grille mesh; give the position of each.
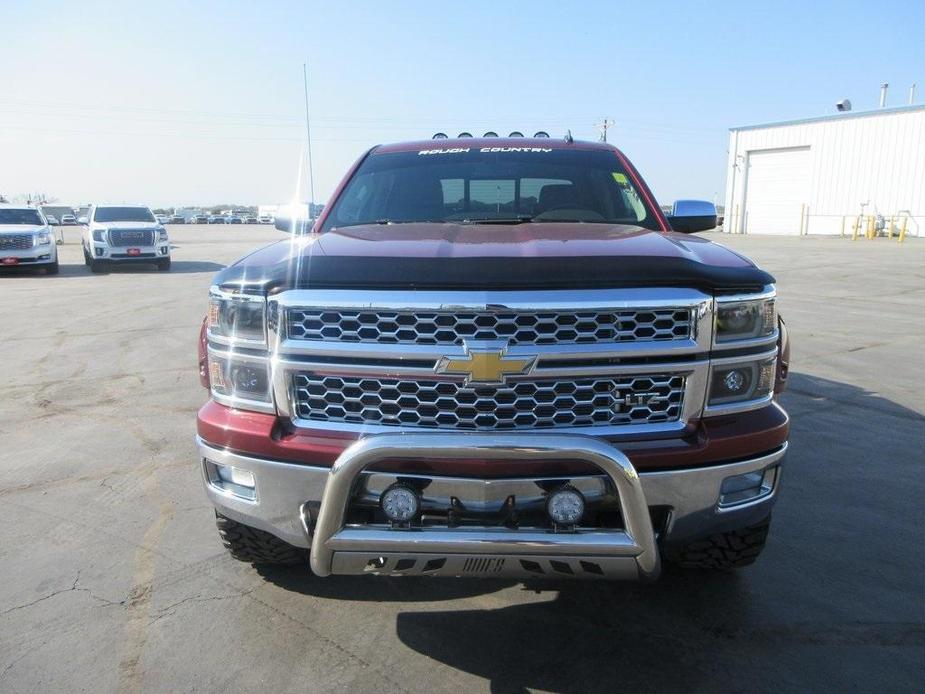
(539, 404)
(513, 327)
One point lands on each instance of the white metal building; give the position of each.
(816, 176)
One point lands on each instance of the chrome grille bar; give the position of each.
(15, 242)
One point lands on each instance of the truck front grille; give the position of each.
(15, 242)
(124, 238)
(523, 404)
(512, 327)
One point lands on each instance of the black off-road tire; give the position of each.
(257, 546)
(97, 267)
(52, 269)
(163, 265)
(729, 550)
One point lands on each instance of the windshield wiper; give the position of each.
(516, 219)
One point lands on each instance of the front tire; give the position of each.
(53, 269)
(163, 265)
(730, 550)
(254, 546)
(97, 267)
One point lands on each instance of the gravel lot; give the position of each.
(112, 576)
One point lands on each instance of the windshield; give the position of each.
(31, 217)
(491, 184)
(123, 214)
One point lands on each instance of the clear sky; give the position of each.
(173, 103)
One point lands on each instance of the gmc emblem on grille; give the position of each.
(621, 403)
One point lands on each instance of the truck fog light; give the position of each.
(234, 480)
(565, 506)
(248, 380)
(734, 381)
(750, 486)
(400, 503)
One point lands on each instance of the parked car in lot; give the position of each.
(162, 219)
(265, 220)
(250, 219)
(26, 238)
(68, 220)
(199, 219)
(177, 219)
(217, 219)
(51, 219)
(498, 357)
(235, 219)
(121, 234)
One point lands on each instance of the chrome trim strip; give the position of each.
(330, 534)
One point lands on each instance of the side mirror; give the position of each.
(294, 226)
(83, 220)
(294, 219)
(689, 216)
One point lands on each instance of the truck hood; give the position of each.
(21, 228)
(126, 225)
(490, 256)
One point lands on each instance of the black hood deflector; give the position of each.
(489, 273)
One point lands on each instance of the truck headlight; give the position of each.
(161, 234)
(99, 235)
(240, 381)
(237, 318)
(745, 319)
(742, 381)
(43, 238)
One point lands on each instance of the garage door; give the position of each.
(776, 188)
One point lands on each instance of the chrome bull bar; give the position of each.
(336, 548)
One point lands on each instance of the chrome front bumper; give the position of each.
(306, 507)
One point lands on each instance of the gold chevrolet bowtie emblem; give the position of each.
(485, 366)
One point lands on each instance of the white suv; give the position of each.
(26, 238)
(123, 234)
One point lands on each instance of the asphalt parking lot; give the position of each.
(112, 576)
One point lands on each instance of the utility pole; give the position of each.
(603, 125)
(308, 134)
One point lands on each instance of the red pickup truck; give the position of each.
(494, 357)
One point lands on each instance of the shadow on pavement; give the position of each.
(378, 589)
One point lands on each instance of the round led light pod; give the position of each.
(565, 506)
(399, 503)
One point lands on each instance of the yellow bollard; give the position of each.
(870, 227)
(843, 226)
(857, 228)
(889, 229)
(902, 232)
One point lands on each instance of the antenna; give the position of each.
(912, 94)
(568, 137)
(308, 134)
(603, 125)
(883, 88)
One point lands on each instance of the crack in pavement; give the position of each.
(73, 589)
